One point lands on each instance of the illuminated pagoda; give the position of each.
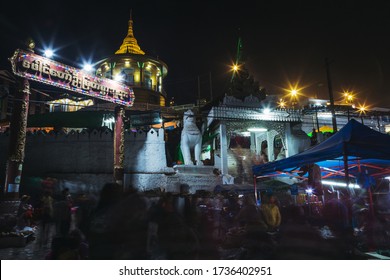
(131, 66)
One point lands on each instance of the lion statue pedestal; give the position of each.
(191, 139)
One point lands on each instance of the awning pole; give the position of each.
(255, 187)
(346, 170)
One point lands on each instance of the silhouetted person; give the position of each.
(175, 239)
(118, 228)
(62, 214)
(250, 216)
(47, 217)
(100, 232)
(25, 212)
(313, 139)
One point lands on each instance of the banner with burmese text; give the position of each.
(38, 68)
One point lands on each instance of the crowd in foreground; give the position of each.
(206, 225)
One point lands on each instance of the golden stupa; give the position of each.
(131, 66)
(130, 44)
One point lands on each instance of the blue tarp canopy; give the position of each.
(335, 169)
(377, 168)
(354, 140)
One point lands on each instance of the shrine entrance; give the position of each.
(29, 66)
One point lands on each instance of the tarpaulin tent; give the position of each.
(377, 168)
(334, 169)
(354, 140)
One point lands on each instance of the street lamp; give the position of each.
(88, 67)
(348, 97)
(282, 104)
(235, 68)
(294, 97)
(294, 92)
(362, 109)
(48, 53)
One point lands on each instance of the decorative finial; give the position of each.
(130, 44)
(30, 44)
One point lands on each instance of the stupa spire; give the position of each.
(130, 44)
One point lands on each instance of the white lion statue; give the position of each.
(191, 139)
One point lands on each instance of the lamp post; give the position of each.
(331, 99)
(282, 104)
(317, 123)
(294, 97)
(348, 99)
(362, 111)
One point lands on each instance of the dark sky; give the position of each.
(284, 41)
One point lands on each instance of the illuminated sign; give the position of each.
(34, 67)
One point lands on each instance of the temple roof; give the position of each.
(130, 44)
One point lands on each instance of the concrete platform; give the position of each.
(195, 169)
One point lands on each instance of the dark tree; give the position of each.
(243, 85)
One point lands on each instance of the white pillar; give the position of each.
(253, 142)
(270, 146)
(224, 148)
(287, 136)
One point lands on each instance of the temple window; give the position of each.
(128, 75)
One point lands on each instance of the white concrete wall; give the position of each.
(145, 152)
(88, 153)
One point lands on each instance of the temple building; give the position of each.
(131, 66)
(70, 137)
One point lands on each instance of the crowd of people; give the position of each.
(129, 224)
(52, 214)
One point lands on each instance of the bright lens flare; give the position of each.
(88, 67)
(362, 108)
(309, 191)
(282, 104)
(235, 67)
(348, 97)
(48, 53)
(294, 92)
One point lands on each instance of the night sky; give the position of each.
(283, 43)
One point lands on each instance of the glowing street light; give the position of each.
(294, 97)
(294, 93)
(48, 53)
(282, 104)
(348, 97)
(234, 68)
(362, 109)
(88, 67)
